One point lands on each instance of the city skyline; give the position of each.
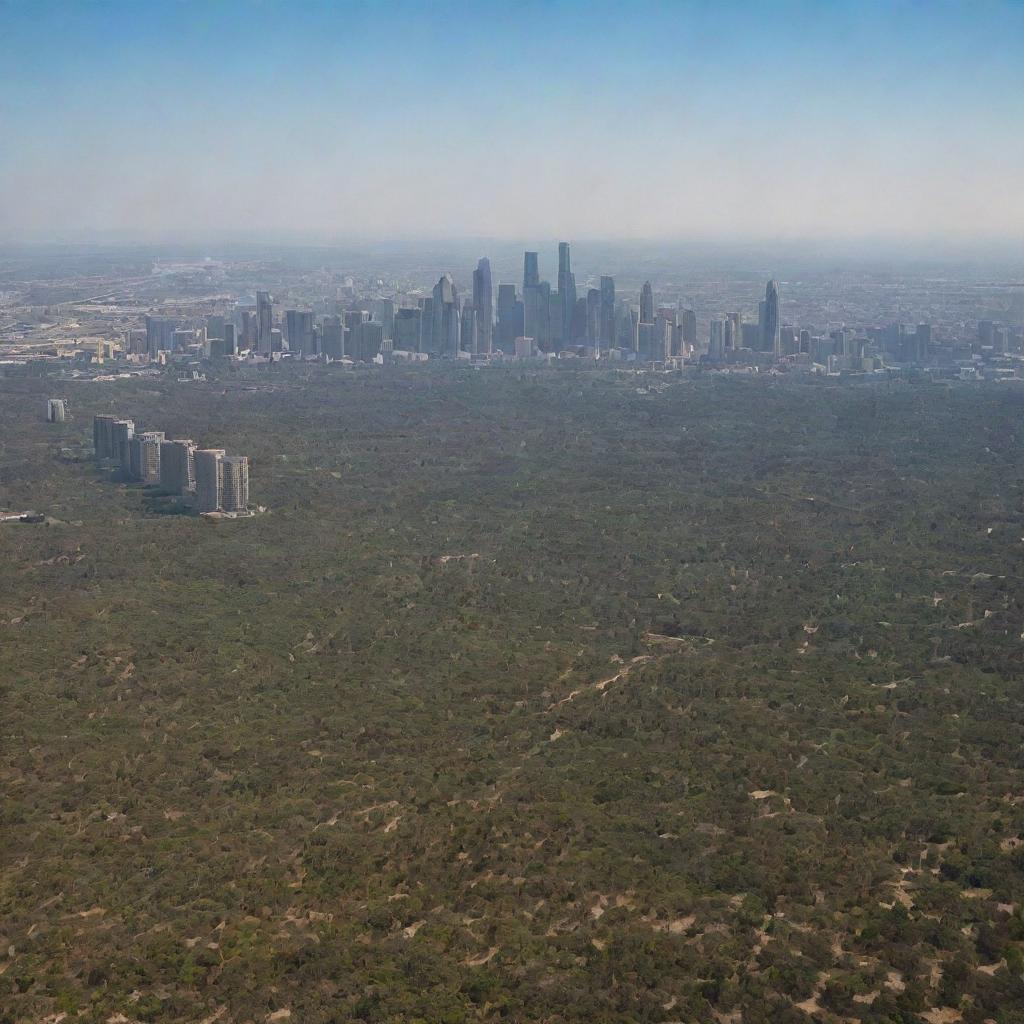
(185, 120)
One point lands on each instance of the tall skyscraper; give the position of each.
(299, 329)
(408, 321)
(566, 293)
(445, 318)
(593, 314)
(607, 334)
(483, 303)
(531, 273)
(647, 303)
(510, 317)
(264, 322)
(689, 325)
(332, 337)
(772, 339)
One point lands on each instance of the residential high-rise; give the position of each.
(144, 456)
(56, 410)
(566, 293)
(234, 477)
(177, 466)
(122, 432)
(264, 322)
(647, 303)
(771, 340)
(483, 303)
(103, 436)
(607, 332)
(209, 480)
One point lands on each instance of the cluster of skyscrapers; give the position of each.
(218, 481)
(528, 319)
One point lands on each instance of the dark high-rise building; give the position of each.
(469, 338)
(483, 303)
(593, 313)
(445, 318)
(566, 293)
(230, 345)
(264, 322)
(160, 334)
(408, 324)
(332, 337)
(647, 304)
(510, 317)
(177, 466)
(688, 321)
(607, 329)
(771, 339)
(531, 273)
(299, 329)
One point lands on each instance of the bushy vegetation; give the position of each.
(534, 696)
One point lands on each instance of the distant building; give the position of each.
(177, 466)
(234, 472)
(607, 328)
(566, 294)
(299, 330)
(209, 480)
(647, 303)
(122, 431)
(332, 337)
(688, 322)
(483, 303)
(222, 481)
(103, 436)
(264, 322)
(144, 456)
(408, 325)
(510, 317)
(56, 410)
(771, 338)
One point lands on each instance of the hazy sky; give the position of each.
(575, 119)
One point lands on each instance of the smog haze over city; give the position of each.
(511, 512)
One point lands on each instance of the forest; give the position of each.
(534, 695)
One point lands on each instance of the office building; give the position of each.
(230, 344)
(566, 295)
(299, 330)
(647, 304)
(264, 323)
(483, 303)
(332, 337)
(607, 332)
(408, 324)
(531, 272)
(768, 316)
(510, 317)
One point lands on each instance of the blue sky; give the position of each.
(632, 120)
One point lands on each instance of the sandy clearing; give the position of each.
(483, 958)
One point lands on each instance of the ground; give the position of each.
(534, 695)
